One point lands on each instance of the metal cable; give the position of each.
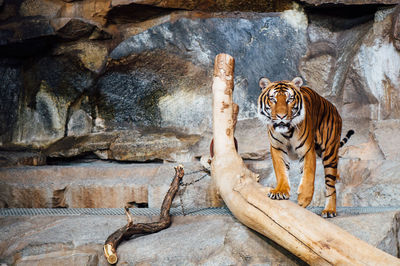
(174, 211)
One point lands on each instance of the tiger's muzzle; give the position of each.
(281, 126)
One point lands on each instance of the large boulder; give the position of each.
(186, 49)
(50, 86)
(10, 88)
(128, 145)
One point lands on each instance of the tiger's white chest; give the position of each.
(288, 143)
(291, 149)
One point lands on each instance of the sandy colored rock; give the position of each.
(365, 151)
(377, 82)
(396, 28)
(386, 134)
(99, 185)
(380, 229)
(65, 240)
(44, 8)
(214, 6)
(128, 145)
(80, 123)
(144, 146)
(96, 184)
(71, 28)
(350, 2)
(90, 10)
(43, 125)
(368, 183)
(14, 158)
(68, 257)
(72, 146)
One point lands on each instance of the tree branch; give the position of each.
(131, 229)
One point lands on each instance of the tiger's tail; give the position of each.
(347, 137)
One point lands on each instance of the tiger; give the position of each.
(301, 124)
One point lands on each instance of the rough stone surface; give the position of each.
(73, 146)
(65, 239)
(207, 5)
(381, 77)
(72, 29)
(152, 145)
(362, 182)
(50, 87)
(98, 185)
(15, 158)
(10, 85)
(92, 54)
(369, 183)
(350, 2)
(396, 29)
(130, 80)
(28, 36)
(127, 145)
(31, 8)
(380, 229)
(80, 123)
(220, 240)
(388, 130)
(195, 44)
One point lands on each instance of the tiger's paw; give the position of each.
(305, 194)
(279, 194)
(304, 200)
(328, 213)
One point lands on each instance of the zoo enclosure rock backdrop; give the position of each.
(131, 80)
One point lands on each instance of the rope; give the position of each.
(174, 211)
(109, 211)
(196, 180)
(185, 185)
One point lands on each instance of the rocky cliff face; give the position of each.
(131, 80)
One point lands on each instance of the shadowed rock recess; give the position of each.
(128, 82)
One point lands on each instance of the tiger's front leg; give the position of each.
(306, 187)
(282, 189)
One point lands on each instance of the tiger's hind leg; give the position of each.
(330, 161)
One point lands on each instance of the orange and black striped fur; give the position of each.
(301, 124)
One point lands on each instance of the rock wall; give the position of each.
(130, 80)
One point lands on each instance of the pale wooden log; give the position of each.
(306, 235)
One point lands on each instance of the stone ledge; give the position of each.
(97, 185)
(101, 184)
(220, 240)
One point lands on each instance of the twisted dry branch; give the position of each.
(131, 229)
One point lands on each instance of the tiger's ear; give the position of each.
(297, 81)
(263, 83)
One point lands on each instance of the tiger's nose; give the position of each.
(281, 116)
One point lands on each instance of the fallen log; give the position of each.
(131, 229)
(303, 233)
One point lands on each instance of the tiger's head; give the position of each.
(280, 104)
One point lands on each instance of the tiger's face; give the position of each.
(280, 104)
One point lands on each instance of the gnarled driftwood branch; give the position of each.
(130, 228)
